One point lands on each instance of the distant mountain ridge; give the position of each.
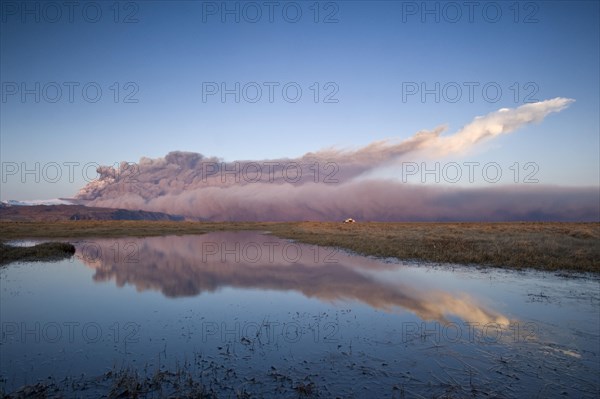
(55, 201)
(55, 213)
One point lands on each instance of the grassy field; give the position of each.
(546, 246)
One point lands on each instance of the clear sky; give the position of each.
(169, 57)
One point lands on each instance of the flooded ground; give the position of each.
(248, 314)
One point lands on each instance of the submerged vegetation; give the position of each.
(48, 251)
(200, 378)
(538, 245)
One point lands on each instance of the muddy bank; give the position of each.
(45, 252)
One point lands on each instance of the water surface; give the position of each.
(249, 312)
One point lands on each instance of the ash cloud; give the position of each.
(326, 185)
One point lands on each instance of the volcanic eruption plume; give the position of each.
(329, 184)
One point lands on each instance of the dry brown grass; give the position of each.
(115, 228)
(547, 246)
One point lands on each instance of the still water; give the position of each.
(250, 313)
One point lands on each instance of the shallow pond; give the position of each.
(247, 313)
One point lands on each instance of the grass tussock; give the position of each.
(538, 245)
(48, 251)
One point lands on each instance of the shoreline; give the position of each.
(549, 246)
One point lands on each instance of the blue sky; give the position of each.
(548, 50)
